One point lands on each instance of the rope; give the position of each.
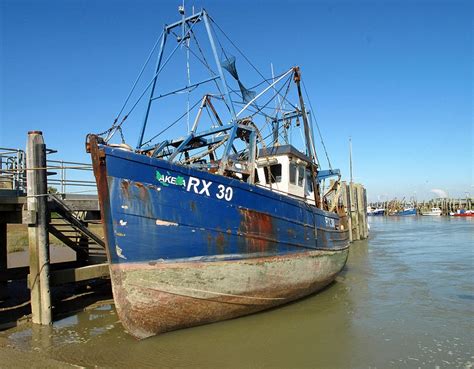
(245, 57)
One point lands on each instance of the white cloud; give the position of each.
(439, 193)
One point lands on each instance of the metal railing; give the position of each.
(64, 177)
(12, 169)
(67, 178)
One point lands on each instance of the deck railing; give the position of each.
(12, 169)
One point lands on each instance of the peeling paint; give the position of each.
(156, 298)
(124, 207)
(122, 222)
(118, 250)
(165, 223)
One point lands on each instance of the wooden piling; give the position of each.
(354, 212)
(346, 202)
(37, 208)
(3, 259)
(362, 211)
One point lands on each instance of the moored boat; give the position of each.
(432, 212)
(222, 222)
(462, 213)
(375, 211)
(406, 211)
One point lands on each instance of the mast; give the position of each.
(150, 99)
(297, 79)
(186, 24)
(218, 64)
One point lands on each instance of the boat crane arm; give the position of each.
(324, 174)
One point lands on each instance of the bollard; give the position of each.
(38, 238)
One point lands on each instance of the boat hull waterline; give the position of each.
(185, 250)
(160, 298)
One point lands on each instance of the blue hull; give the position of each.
(406, 212)
(376, 213)
(188, 247)
(161, 211)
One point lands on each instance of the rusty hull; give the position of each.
(160, 294)
(153, 298)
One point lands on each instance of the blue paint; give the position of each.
(166, 216)
(407, 211)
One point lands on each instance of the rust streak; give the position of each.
(257, 224)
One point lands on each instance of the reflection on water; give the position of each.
(405, 300)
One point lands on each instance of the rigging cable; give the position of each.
(317, 126)
(111, 134)
(172, 124)
(188, 70)
(139, 76)
(208, 67)
(245, 57)
(132, 89)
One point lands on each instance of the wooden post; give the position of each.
(362, 195)
(360, 211)
(82, 256)
(355, 212)
(347, 206)
(3, 259)
(38, 237)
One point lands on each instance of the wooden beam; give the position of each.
(12, 274)
(79, 274)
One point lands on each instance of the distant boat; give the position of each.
(406, 212)
(432, 212)
(463, 213)
(375, 211)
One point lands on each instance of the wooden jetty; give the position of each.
(27, 197)
(24, 198)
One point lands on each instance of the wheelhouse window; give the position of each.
(301, 172)
(309, 182)
(292, 173)
(273, 173)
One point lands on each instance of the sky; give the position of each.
(394, 76)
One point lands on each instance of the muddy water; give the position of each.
(405, 300)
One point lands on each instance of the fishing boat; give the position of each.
(230, 218)
(432, 212)
(375, 211)
(462, 213)
(407, 211)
